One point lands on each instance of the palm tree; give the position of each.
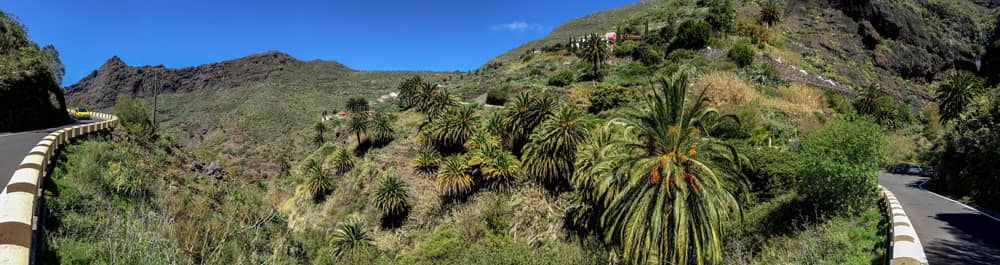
(319, 128)
(452, 179)
(381, 127)
(427, 160)
(498, 166)
(550, 155)
(358, 124)
(595, 52)
(317, 180)
(356, 104)
(590, 169)
(452, 128)
(873, 101)
(351, 238)
(956, 93)
(770, 12)
(432, 100)
(391, 196)
(521, 117)
(343, 160)
(664, 199)
(407, 90)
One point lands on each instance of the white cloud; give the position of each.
(517, 26)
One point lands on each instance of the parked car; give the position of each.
(900, 168)
(915, 170)
(927, 172)
(80, 114)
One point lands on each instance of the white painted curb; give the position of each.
(905, 247)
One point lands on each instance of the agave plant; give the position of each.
(664, 199)
(351, 238)
(391, 196)
(956, 93)
(317, 180)
(427, 160)
(343, 160)
(453, 180)
(550, 155)
(453, 128)
(381, 128)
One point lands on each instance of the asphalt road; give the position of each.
(14, 146)
(951, 232)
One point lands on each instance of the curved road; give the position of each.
(14, 146)
(951, 232)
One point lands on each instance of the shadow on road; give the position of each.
(978, 241)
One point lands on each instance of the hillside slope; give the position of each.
(30, 97)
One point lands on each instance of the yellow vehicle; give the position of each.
(80, 114)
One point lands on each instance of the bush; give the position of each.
(837, 102)
(839, 164)
(968, 155)
(561, 78)
(692, 34)
(741, 54)
(605, 97)
(496, 96)
(134, 115)
(721, 16)
(626, 48)
(649, 55)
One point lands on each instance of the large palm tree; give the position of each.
(432, 100)
(498, 166)
(381, 128)
(407, 90)
(356, 104)
(956, 93)
(595, 52)
(522, 115)
(358, 124)
(873, 101)
(454, 127)
(391, 196)
(351, 238)
(550, 155)
(453, 180)
(664, 197)
(317, 180)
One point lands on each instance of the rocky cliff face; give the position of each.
(114, 78)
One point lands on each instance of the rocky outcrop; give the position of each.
(114, 78)
(919, 49)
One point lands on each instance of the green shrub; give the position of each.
(839, 164)
(968, 155)
(649, 55)
(561, 78)
(837, 102)
(741, 54)
(605, 97)
(626, 48)
(721, 16)
(496, 96)
(133, 115)
(692, 34)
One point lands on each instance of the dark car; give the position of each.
(901, 168)
(927, 172)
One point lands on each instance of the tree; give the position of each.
(381, 128)
(450, 131)
(427, 160)
(498, 166)
(343, 160)
(741, 54)
(605, 97)
(317, 180)
(595, 52)
(770, 11)
(356, 105)
(549, 157)
(452, 179)
(662, 185)
(839, 164)
(721, 16)
(56, 66)
(965, 159)
(358, 123)
(133, 115)
(956, 93)
(692, 35)
(407, 91)
(391, 196)
(874, 102)
(351, 238)
(432, 100)
(521, 117)
(319, 128)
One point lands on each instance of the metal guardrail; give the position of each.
(19, 205)
(904, 245)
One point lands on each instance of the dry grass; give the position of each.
(725, 88)
(797, 99)
(787, 56)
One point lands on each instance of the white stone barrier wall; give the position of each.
(904, 247)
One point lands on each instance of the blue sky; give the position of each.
(367, 35)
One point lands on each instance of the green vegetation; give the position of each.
(692, 35)
(840, 162)
(741, 54)
(605, 97)
(955, 94)
(721, 15)
(30, 96)
(967, 152)
(771, 11)
(561, 78)
(317, 180)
